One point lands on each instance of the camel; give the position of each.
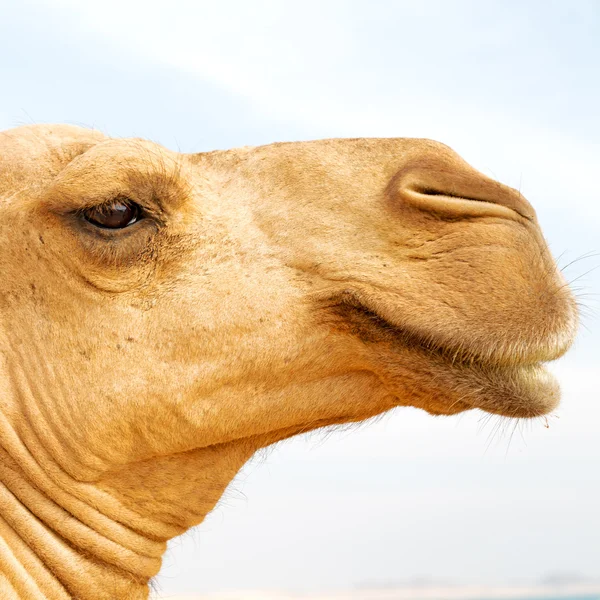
(164, 316)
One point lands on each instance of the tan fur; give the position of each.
(270, 291)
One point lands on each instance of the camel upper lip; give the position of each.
(369, 324)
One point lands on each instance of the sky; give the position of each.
(514, 87)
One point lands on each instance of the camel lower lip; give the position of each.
(523, 392)
(518, 390)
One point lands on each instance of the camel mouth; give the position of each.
(522, 389)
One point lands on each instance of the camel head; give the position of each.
(163, 315)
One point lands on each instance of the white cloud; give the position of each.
(306, 63)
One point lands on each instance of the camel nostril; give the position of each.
(448, 186)
(428, 191)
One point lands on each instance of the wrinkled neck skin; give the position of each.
(61, 538)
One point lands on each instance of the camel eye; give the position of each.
(118, 215)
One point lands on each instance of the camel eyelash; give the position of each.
(131, 210)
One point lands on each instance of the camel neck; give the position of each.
(94, 534)
(62, 538)
(57, 542)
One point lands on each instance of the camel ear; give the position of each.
(33, 155)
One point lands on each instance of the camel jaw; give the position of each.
(461, 378)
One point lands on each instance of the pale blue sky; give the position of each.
(514, 86)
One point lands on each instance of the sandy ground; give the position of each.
(407, 593)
